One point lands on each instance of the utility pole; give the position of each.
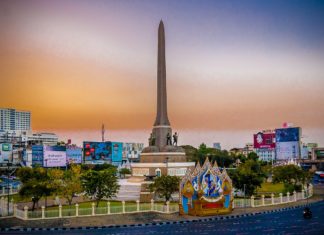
(103, 132)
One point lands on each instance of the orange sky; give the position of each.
(74, 75)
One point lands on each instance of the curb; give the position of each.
(227, 217)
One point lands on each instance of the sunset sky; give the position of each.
(231, 65)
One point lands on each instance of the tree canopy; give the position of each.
(165, 185)
(100, 184)
(248, 176)
(222, 157)
(292, 176)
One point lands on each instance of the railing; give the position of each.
(123, 208)
(4, 191)
(263, 201)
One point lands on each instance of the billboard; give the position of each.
(117, 151)
(73, 155)
(97, 152)
(287, 150)
(37, 155)
(132, 150)
(264, 140)
(5, 152)
(288, 134)
(54, 156)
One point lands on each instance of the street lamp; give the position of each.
(9, 164)
(244, 197)
(46, 187)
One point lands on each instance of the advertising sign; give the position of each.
(132, 150)
(287, 150)
(117, 151)
(97, 151)
(6, 147)
(264, 140)
(288, 134)
(5, 152)
(73, 155)
(54, 156)
(37, 155)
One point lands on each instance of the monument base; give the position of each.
(158, 169)
(163, 157)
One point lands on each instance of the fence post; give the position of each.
(233, 203)
(15, 210)
(60, 211)
(303, 194)
(152, 204)
(43, 212)
(77, 209)
(168, 207)
(10, 189)
(280, 195)
(3, 190)
(272, 199)
(2, 204)
(288, 198)
(252, 201)
(262, 200)
(26, 212)
(123, 204)
(137, 205)
(108, 207)
(93, 209)
(295, 196)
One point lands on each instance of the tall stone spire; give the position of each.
(161, 114)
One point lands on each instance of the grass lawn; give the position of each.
(268, 188)
(101, 204)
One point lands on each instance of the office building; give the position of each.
(12, 119)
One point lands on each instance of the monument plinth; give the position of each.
(162, 156)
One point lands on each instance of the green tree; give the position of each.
(292, 176)
(100, 184)
(222, 157)
(165, 186)
(252, 156)
(124, 171)
(34, 183)
(71, 183)
(248, 175)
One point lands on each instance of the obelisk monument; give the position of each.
(162, 156)
(161, 126)
(161, 148)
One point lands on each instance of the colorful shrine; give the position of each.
(205, 191)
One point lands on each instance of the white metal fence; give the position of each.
(123, 207)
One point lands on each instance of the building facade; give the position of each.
(12, 119)
(265, 145)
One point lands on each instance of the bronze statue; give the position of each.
(169, 141)
(151, 140)
(175, 139)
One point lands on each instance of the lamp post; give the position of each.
(244, 197)
(8, 193)
(46, 177)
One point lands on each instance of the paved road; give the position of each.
(284, 222)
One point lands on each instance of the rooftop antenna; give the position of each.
(103, 132)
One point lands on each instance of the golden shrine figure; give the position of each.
(205, 191)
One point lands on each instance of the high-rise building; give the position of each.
(217, 146)
(12, 119)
